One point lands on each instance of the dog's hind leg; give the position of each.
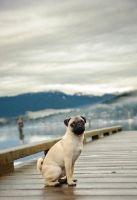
(52, 176)
(51, 183)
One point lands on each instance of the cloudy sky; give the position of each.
(87, 46)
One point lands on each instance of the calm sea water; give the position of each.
(10, 137)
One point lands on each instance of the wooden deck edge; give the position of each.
(8, 156)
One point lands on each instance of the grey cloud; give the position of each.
(39, 36)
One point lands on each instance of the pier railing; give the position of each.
(8, 156)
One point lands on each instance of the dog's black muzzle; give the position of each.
(79, 128)
(79, 131)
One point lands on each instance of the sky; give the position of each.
(72, 46)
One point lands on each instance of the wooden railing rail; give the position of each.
(98, 133)
(8, 156)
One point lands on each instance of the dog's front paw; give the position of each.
(75, 180)
(71, 183)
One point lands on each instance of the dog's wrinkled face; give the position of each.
(76, 124)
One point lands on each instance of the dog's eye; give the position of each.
(72, 124)
(82, 122)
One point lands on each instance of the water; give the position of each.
(10, 137)
(128, 125)
(9, 134)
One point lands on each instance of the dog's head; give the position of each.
(76, 124)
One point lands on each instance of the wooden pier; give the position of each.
(106, 169)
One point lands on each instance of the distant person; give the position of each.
(20, 126)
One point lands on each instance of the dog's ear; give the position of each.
(66, 121)
(84, 118)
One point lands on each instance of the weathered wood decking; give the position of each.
(106, 169)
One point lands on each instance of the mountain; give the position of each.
(121, 107)
(15, 106)
(127, 97)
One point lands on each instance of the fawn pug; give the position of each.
(58, 165)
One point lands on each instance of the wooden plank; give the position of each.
(105, 171)
(96, 175)
(82, 185)
(72, 197)
(82, 179)
(69, 190)
(90, 170)
(79, 177)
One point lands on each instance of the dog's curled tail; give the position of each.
(39, 164)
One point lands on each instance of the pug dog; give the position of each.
(58, 165)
